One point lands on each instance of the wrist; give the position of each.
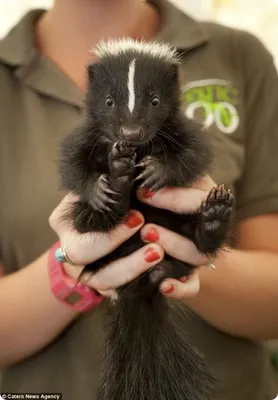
(211, 280)
(65, 285)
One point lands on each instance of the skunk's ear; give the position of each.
(175, 72)
(91, 69)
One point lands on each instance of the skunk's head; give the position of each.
(133, 89)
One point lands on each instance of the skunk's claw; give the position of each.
(152, 175)
(145, 162)
(156, 186)
(104, 178)
(141, 176)
(121, 149)
(105, 186)
(142, 164)
(102, 196)
(152, 187)
(110, 191)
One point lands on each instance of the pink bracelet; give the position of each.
(67, 290)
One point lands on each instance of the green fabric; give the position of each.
(230, 83)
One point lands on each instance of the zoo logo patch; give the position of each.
(212, 101)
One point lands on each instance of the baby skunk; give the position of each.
(135, 134)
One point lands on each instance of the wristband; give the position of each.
(67, 290)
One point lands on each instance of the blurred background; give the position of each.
(257, 16)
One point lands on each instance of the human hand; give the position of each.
(179, 200)
(86, 248)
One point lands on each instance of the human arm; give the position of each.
(252, 293)
(240, 296)
(31, 317)
(242, 292)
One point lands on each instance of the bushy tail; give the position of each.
(147, 357)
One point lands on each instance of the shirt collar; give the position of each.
(17, 49)
(178, 28)
(37, 71)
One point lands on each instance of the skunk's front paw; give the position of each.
(102, 196)
(121, 166)
(153, 177)
(121, 160)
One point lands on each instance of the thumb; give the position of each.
(186, 288)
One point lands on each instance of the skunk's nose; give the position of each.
(133, 133)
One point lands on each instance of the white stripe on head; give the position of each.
(131, 86)
(119, 47)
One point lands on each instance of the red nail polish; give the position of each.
(170, 289)
(147, 194)
(151, 255)
(133, 220)
(151, 235)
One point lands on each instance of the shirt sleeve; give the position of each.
(257, 189)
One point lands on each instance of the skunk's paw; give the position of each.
(121, 149)
(153, 176)
(215, 219)
(217, 206)
(122, 160)
(103, 197)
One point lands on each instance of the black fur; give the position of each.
(147, 357)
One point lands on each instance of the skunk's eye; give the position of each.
(109, 101)
(155, 101)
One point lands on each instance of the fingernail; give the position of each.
(167, 288)
(151, 235)
(151, 255)
(147, 194)
(133, 220)
(183, 278)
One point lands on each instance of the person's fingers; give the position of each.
(89, 247)
(179, 290)
(92, 246)
(205, 183)
(179, 200)
(173, 244)
(126, 269)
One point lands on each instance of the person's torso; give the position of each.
(32, 125)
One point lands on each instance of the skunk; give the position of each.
(134, 134)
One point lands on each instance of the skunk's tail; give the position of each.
(147, 357)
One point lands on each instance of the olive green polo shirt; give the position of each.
(229, 83)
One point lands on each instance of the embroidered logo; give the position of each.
(212, 101)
